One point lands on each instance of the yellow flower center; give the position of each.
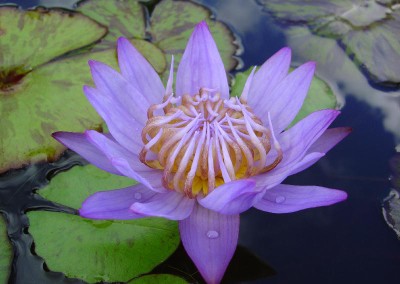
(203, 141)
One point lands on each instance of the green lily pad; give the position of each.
(319, 96)
(123, 18)
(72, 187)
(49, 99)
(5, 253)
(158, 279)
(367, 30)
(31, 38)
(391, 211)
(101, 250)
(172, 22)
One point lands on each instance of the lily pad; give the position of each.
(391, 211)
(5, 253)
(123, 18)
(158, 279)
(31, 38)
(101, 250)
(319, 96)
(367, 30)
(72, 187)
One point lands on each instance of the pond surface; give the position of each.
(349, 242)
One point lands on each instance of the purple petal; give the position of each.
(210, 239)
(79, 143)
(171, 205)
(286, 99)
(114, 204)
(125, 162)
(270, 74)
(120, 92)
(138, 71)
(306, 162)
(123, 127)
(201, 65)
(295, 142)
(329, 139)
(232, 198)
(290, 198)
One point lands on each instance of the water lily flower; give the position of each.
(199, 156)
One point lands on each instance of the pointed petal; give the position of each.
(329, 139)
(246, 89)
(201, 65)
(78, 143)
(285, 101)
(232, 198)
(270, 74)
(123, 127)
(295, 143)
(114, 204)
(171, 205)
(138, 71)
(115, 87)
(125, 162)
(290, 198)
(210, 239)
(306, 162)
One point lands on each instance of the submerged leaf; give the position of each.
(391, 211)
(101, 250)
(367, 30)
(5, 253)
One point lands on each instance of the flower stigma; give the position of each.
(204, 141)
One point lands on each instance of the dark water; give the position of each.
(345, 243)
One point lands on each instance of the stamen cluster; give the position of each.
(203, 141)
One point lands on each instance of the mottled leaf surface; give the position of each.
(101, 250)
(158, 279)
(122, 17)
(391, 211)
(5, 253)
(48, 99)
(319, 96)
(72, 187)
(31, 38)
(367, 30)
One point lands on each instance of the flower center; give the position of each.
(204, 141)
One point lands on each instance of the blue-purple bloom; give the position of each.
(200, 156)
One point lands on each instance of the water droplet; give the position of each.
(138, 195)
(280, 199)
(212, 234)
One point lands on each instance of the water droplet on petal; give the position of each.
(280, 199)
(138, 195)
(212, 234)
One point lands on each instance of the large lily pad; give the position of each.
(101, 250)
(319, 96)
(368, 30)
(31, 38)
(5, 253)
(110, 250)
(123, 18)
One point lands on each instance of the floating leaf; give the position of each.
(391, 211)
(368, 30)
(123, 18)
(5, 253)
(158, 279)
(101, 250)
(172, 22)
(71, 188)
(319, 96)
(31, 38)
